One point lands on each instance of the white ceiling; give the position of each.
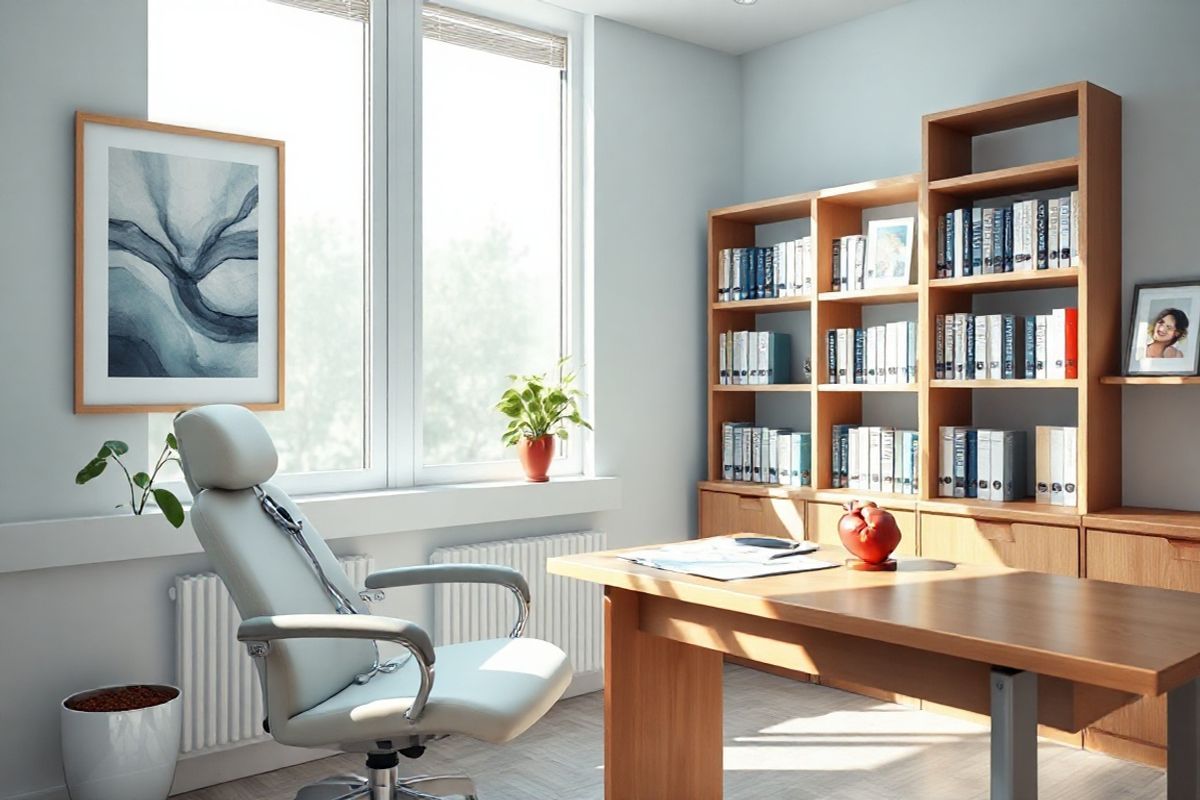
(723, 24)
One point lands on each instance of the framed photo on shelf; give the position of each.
(178, 267)
(1161, 340)
(889, 253)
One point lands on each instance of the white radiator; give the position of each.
(565, 612)
(222, 699)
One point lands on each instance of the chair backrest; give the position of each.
(225, 453)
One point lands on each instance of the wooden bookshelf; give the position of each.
(1010, 281)
(1039, 383)
(868, 387)
(868, 297)
(763, 387)
(1151, 380)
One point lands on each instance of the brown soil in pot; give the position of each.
(123, 698)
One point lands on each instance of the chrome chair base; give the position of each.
(383, 784)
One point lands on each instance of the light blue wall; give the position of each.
(845, 104)
(660, 164)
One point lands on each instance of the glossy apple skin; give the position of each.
(869, 532)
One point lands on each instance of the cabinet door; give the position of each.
(1051, 549)
(723, 513)
(1144, 561)
(823, 526)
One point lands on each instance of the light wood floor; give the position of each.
(783, 741)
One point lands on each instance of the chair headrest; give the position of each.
(224, 447)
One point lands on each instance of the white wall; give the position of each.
(845, 104)
(661, 162)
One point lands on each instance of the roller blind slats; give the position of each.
(357, 10)
(452, 26)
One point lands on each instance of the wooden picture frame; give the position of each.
(179, 267)
(890, 249)
(1177, 305)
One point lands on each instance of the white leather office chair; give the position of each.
(314, 642)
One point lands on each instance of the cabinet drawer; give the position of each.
(1051, 549)
(823, 526)
(1144, 561)
(723, 513)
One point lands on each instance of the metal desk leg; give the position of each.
(1183, 742)
(1014, 734)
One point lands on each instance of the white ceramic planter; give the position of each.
(121, 755)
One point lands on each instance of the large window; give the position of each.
(495, 272)
(403, 318)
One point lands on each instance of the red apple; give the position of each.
(868, 532)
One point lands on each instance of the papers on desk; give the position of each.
(723, 560)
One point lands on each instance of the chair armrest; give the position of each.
(424, 574)
(348, 626)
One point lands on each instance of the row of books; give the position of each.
(878, 354)
(1028, 235)
(875, 459)
(754, 357)
(985, 464)
(1007, 346)
(849, 263)
(787, 269)
(765, 455)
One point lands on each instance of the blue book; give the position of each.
(972, 462)
(1030, 347)
(831, 355)
(970, 347)
(768, 272)
(997, 240)
(1008, 239)
(760, 272)
(1008, 358)
(976, 263)
(835, 466)
(802, 457)
(836, 276)
(947, 267)
(860, 355)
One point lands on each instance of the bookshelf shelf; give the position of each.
(865, 297)
(1151, 380)
(1027, 178)
(1010, 281)
(1041, 383)
(872, 194)
(868, 387)
(905, 502)
(763, 387)
(765, 305)
(763, 212)
(1031, 108)
(758, 489)
(1025, 510)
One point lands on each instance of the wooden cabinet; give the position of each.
(723, 513)
(1051, 549)
(823, 521)
(1144, 561)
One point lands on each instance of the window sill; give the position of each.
(90, 540)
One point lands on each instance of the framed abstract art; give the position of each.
(178, 267)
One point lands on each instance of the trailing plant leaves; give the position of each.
(171, 507)
(172, 442)
(141, 480)
(118, 447)
(104, 452)
(92, 470)
(562, 433)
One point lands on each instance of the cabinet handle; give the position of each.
(750, 504)
(996, 532)
(1184, 550)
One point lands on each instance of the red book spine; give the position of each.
(1072, 342)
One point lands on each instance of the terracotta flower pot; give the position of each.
(536, 455)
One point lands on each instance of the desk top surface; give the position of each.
(1124, 637)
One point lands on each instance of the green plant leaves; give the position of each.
(92, 470)
(172, 442)
(141, 480)
(117, 447)
(171, 507)
(536, 406)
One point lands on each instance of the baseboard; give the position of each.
(585, 683)
(53, 793)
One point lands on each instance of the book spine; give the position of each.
(988, 225)
(1018, 244)
(946, 462)
(912, 351)
(738, 433)
(844, 445)
(914, 461)
(1041, 464)
(960, 346)
(997, 240)
(1007, 230)
(805, 459)
(976, 265)
(810, 266)
(769, 272)
(1040, 347)
(760, 272)
(872, 333)
(1071, 342)
(756, 465)
(748, 453)
(997, 468)
(752, 367)
(875, 480)
(983, 465)
(1056, 344)
(942, 249)
(1064, 232)
(860, 262)
(979, 346)
(722, 371)
(954, 259)
(836, 270)
(960, 462)
(1041, 241)
(1008, 369)
(853, 466)
(723, 276)
(1014, 466)
(972, 463)
(783, 268)
(727, 451)
(1070, 466)
(995, 341)
(831, 355)
(1057, 445)
(784, 449)
(971, 339)
(860, 355)
(1052, 233)
(1076, 257)
(835, 463)
(1030, 347)
(772, 460)
(765, 371)
(887, 460)
(939, 347)
(843, 355)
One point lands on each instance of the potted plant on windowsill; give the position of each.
(142, 482)
(538, 413)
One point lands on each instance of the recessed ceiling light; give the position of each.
(745, 2)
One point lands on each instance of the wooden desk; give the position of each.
(1022, 646)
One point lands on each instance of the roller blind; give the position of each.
(501, 38)
(357, 10)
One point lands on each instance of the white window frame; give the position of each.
(578, 460)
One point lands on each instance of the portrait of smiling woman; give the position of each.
(1159, 340)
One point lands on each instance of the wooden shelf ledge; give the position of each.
(1024, 510)
(758, 489)
(765, 304)
(900, 502)
(1016, 111)
(1040, 383)
(865, 297)
(1011, 281)
(1152, 380)
(872, 194)
(867, 387)
(1026, 178)
(762, 212)
(762, 387)
(1148, 521)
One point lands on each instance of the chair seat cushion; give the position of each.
(492, 690)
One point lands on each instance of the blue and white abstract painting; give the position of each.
(183, 266)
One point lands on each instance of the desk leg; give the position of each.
(1014, 734)
(662, 711)
(1183, 742)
